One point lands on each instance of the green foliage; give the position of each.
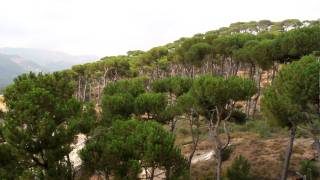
(239, 169)
(117, 106)
(42, 121)
(211, 92)
(309, 169)
(85, 120)
(288, 100)
(246, 54)
(118, 99)
(118, 66)
(130, 145)
(168, 114)
(227, 44)
(197, 52)
(174, 85)
(299, 42)
(154, 59)
(186, 102)
(261, 127)
(43, 117)
(151, 103)
(226, 153)
(238, 117)
(10, 167)
(134, 87)
(263, 54)
(158, 52)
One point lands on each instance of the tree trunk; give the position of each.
(212, 67)
(317, 144)
(274, 69)
(90, 91)
(71, 174)
(219, 164)
(258, 94)
(214, 133)
(286, 163)
(84, 91)
(235, 73)
(195, 139)
(218, 151)
(168, 172)
(99, 93)
(222, 66)
(106, 174)
(192, 72)
(105, 77)
(146, 172)
(152, 173)
(173, 125)
(79, 88)
(248, 107)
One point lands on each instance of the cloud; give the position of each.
(110, 27)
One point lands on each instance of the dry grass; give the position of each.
(265, 155)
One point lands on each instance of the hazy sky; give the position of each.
(111, 27)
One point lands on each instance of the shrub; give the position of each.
(260, 127)
(239, 169)
(226, 153)
(151, 103)
(310, 169)
(184, 131)
(238, 117)
(127, 146)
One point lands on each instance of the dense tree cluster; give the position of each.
(129, 148)
(214, 77)
(293, 100)
(248, 49)
(42, 122)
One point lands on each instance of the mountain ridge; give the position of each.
(15, 61)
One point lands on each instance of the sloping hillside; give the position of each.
(264, 154)
(15, 61)
(48, 60)
(12, 65)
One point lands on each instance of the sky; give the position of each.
(112, 27)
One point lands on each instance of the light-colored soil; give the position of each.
(2, 104)
(79, 144)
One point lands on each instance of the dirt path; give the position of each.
(74, 157)
(202, 156)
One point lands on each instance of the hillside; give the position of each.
(12, 65)
(48, 60)
(15, 61)
(237, 103)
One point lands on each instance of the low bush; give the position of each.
(239, 169)
(260, 127)
(226, 153)
(309, 169)
(184, 131)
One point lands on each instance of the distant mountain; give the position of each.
(48, 60)
(15, 61)
(12, 65)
